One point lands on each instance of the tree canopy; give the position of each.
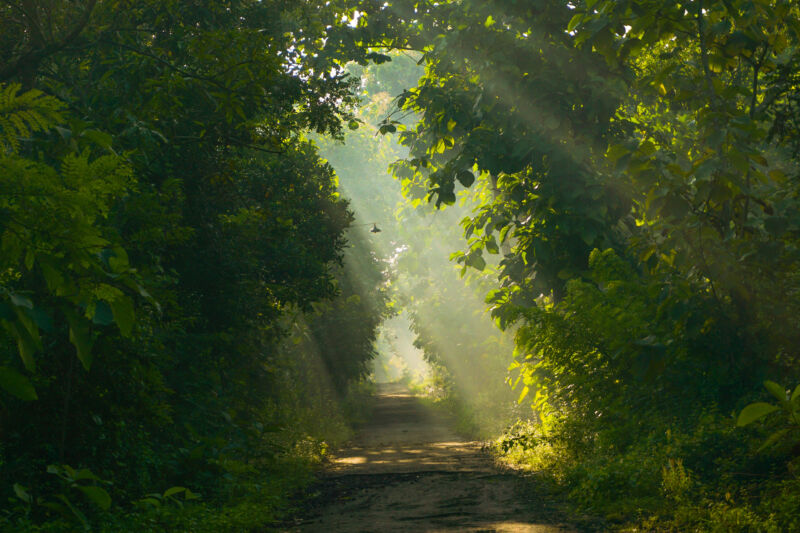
(183, 305)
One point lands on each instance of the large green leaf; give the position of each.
(25, 344)
(466, 178)
(755, 411)
(22, 493)
(80, 336)
(102, 314)
(96, 495)
(776, 390)
(16, 384)
(123, 314)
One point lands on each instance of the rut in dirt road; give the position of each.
(408, 471)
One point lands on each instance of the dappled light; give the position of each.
(408, 265)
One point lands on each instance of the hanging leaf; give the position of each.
(25, 344)
(80, 336)
(465, 178)
(123, 314)
(16, 384)
(491, 246)
(102, 314)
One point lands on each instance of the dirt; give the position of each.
(406, 470)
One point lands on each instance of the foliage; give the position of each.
(166, 227)
(176, 302)
(639, 181)
(786, 403)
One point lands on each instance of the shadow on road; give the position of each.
(406, 470)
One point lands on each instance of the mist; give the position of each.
(442, 340)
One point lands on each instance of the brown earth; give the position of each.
(407, 470)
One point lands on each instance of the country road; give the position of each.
(406, 470)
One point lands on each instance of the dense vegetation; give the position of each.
(180, 314)
(642, 192)
(175, 309)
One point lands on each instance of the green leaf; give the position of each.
(85, 473)
(795, 395)
(755, 411)
(574, 21)
(524, 393)
(102, 139)
(42, 319)
(446, 197)
(776, 390)
(504, 233)
(123, 315)
(149, 501)
(80, 336)
(25, 344)
(772, 439)
(476, 261)
(97, 495)
(53, 278)
(102, 314)
(16, 384)
(588, 234)
(465, 178)
(22, 493)
(118, 262)
(20, 301)
(24, 318)
(616, 151)
(173, 490)
(79, 515)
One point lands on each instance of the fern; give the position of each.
(22, 114)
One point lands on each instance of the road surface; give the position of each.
(407, 470)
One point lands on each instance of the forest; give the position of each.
(222, 221)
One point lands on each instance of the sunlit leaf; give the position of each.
(755, 411)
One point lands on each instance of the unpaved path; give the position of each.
(407, 471)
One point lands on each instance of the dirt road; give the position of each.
(407, 471)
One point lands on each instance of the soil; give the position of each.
(407, 470)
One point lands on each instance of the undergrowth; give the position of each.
(249, 494)
(703, 477)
